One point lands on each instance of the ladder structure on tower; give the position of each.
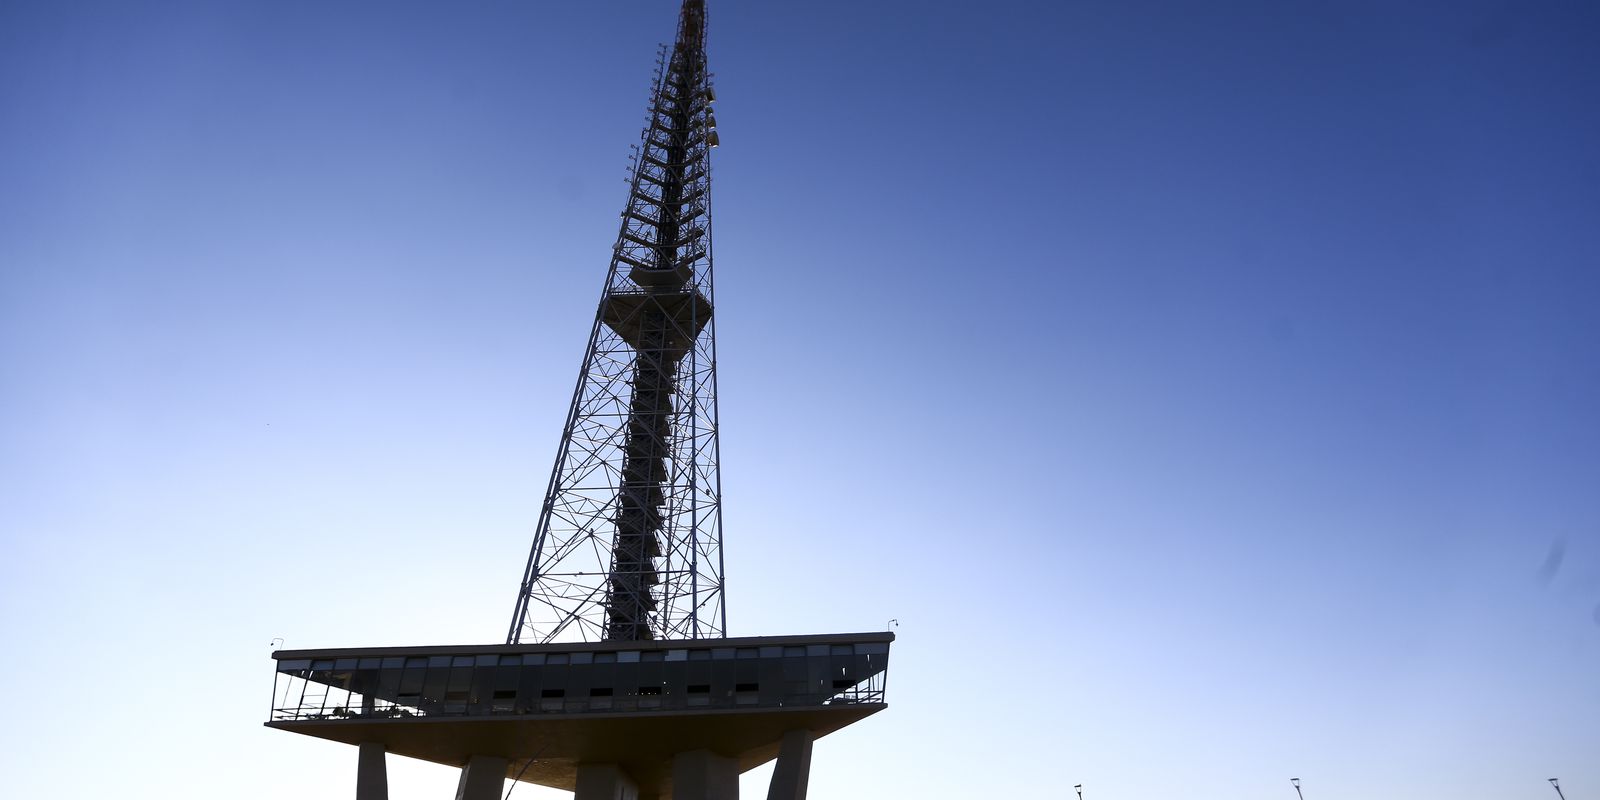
(629, 543)
(617, 678)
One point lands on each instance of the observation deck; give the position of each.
(547, 708)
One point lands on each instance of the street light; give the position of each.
(1296, 783)
(1079, 787)
(1555, 783)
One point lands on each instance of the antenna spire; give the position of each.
(629, 544)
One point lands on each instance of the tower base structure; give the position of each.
(609, 720)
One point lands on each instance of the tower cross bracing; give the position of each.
(617, 680)
(629, 539)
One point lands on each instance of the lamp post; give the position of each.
(1295, 782)
(1079, 787)
(1556, 784)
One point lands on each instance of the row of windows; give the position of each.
(401, 686)
(434, 681)
(619, 657)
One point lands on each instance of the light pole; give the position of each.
(1557, 784)
(1296, 783)
(1079, 787)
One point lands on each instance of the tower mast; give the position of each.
(617, 678)
(629, 543)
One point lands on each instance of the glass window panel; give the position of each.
(556, 658)
(605, 658)
(533, 659)
(840, 650)
(389, 681)
(816, 649)
(394, 662)
(370, 663)
(487, 660)
(722, 677)
(583, 658)
(433, 685)
(699, 655)
(650, 673)
(771, 651)
(506, 678)
(873, 648)
(510, 661)
(677, 655)
(411, 682)
(554, 676)
(625, 675)
(673, 681)
(816, 669)
(438, 661)
(461, 661)
(628, 656)
(345, 663)
(699, 673)
(749, 652)
(720, 653)
(578, 681)
(529, 682)
(299, 663)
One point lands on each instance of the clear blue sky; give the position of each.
(1209, 389)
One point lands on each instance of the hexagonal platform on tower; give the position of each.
(548, 708)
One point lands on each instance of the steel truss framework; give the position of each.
(629, 543)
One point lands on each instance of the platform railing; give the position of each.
(460, 686)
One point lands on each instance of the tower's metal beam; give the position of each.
(639, 557)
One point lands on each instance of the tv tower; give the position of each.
(617, 679)
(629, 544)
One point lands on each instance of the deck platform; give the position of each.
(548, 708)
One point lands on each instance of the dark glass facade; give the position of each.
(698, 675)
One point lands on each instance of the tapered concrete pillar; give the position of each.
(704, 775)
(793, 771)
(483, 778)
(604, 782)
(372, 773)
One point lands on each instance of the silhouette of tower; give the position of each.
(617, 679)
(629, 544)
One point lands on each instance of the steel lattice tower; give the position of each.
(617, 679)
(629, 543)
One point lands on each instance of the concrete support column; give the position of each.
(793, 771)
(604, 782)
(483, 778)
(372, 773)
(704, 775)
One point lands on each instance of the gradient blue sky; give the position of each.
(1209, 389)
